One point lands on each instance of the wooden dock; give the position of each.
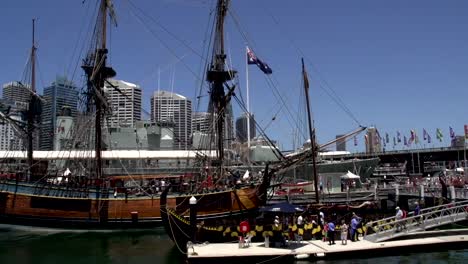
(316, 249)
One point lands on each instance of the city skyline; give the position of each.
(395, 65)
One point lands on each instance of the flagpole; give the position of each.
(248, 104)
(464, 152)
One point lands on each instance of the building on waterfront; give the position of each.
(124, 99)
(61, 93)
(173, 111)
(11, 137)
(340, 144)
(241, 128)
(458, 141)
(201, 122)
(144, 135)
(15, 99)
(63, 136)
(16, 92)
(372, 140)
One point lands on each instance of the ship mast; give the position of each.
(311, 131)
(97, 73)
(217, 76)
(32, 107)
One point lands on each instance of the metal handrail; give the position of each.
(431, 217)
(460, 193)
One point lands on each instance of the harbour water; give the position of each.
(41, 246)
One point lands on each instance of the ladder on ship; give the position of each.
(431, 217)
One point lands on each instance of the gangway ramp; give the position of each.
(431, 217)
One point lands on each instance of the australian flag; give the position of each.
(252, 59)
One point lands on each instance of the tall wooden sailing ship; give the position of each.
(94, 201)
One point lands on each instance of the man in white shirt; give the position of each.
(300, 221)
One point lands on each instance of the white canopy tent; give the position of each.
(349, 176)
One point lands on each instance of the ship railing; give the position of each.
(391, 227)
(426, 191)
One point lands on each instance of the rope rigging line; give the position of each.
(325, 86)
(272, 82)
(167, 46)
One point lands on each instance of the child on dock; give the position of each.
(344, 233)
(325, 232)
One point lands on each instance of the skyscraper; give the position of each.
(176, 110)
(201, 122)
(10, 137)
(14, 102)
(373, 140)
(340, 144)
(61, 93)
(16, 92)
(241, 127)
(125, 101)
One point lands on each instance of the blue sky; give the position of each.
(398, 65)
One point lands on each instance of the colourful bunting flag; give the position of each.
(439, 135)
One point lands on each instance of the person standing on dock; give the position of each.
(331, 233)
(300, 222)
(344, 233)
(354, 225)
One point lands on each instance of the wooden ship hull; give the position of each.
(23, 204)
(179, 228)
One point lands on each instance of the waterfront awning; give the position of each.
(350, 175)
(284, 207)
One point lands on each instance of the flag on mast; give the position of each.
(355, 141)
(424, 134)
(428, 138)
(439, 134)
(405, 141)
(398, 136)
(466, 131)
(377, 136)
(387, 138)
(252, 59)
(452, 133)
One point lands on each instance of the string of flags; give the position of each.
(412, 138)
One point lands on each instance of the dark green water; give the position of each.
(47, 246)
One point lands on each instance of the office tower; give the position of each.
(373, 140)
(61, 93)
(11, 138)
(16, 91)
(201, 122)
(340, 144)
(241, 128)
(174, 111)
(124, 99)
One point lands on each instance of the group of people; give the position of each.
(402, 214)
(345, 230)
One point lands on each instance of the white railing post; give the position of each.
(397, 192)
(452, 193)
